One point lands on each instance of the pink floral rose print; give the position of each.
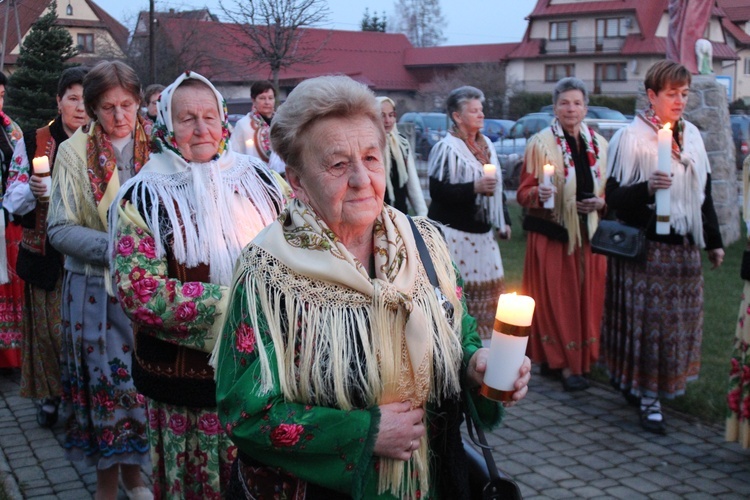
(145, 288)
(146, 317)
(209, 424)
(192, 289)
(147, 247)
(245, 338)
(186, 312)
(178, 424)
(286, 435)
(125, 246)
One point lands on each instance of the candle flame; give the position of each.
(667, 126)
(249, 143)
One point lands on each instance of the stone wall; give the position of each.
(708, 110)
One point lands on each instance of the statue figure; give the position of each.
(687, 23)
(704, 53)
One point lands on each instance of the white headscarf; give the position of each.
(212, 209)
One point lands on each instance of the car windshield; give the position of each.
(606, 114)
(435, 122)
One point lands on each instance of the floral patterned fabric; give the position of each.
(104, 415)
(194, 439)
(12, 298)
(180, 313)
(738, 396)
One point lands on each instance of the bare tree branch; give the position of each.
(270, 30)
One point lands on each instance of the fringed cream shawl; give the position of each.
(451, 161)
(542, 149)
(340, 336)
(633, 157)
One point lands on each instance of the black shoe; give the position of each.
(546, 371)
(46, 415)
(575, 383)
(632, 399)
(654, 426)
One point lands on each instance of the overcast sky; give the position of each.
(468, 21)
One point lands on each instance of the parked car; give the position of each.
(429, 128)
(741, 136)
(494, 129)
(511, 147)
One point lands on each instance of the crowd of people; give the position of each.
(254, 314)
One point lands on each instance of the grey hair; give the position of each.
(460, 96)
(570, 83)
(312, 100)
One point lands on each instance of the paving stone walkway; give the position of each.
(555, 444)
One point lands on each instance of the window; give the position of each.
(565, 30)
(610, 72)
(747, 66)
(86, 43)
(554, 72)
(616, 27)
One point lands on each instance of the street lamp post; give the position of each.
(151, 65)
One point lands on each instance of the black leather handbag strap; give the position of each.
(424, 254)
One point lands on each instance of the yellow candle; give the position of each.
(41, 165)
(489, 169)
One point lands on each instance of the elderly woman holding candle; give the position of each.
(562, 187)
(341, 367)
(468, 201)
(39, 264)
(251, 135)
(653, 320)
(105, 416)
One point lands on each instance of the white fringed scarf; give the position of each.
(452, 161)
(338, 334)
(546, 148)
(633, 158)
(212, 209)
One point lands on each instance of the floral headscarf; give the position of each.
(162, 134)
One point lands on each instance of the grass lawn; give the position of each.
(705, 398)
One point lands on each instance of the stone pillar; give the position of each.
(708, 110)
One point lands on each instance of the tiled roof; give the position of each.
(736, 32)
(737, 10)
(457, 54)
(31, 10)
(383, 61)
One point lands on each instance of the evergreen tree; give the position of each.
(373, 23)
(32, 88)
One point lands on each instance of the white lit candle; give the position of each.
(508, 346)
(549, 171)
(41, 169)
(664, 164)
(489, 169)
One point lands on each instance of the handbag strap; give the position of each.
(480, 439)
(424, 254)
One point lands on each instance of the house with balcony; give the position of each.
(736, 25)
(96, 34)
(609, 44)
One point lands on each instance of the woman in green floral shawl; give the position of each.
(340, 367)
(176, 232)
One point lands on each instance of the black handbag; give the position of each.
(615, 239)
(486, 481)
